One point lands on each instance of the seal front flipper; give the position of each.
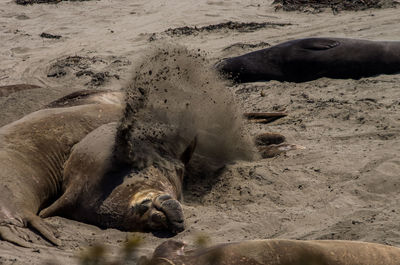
(7, 234)
(11, 230)
(318, 44)
(38, 224)
(62, 204)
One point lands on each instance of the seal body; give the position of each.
(100, 189)
(67, 161)
(279, 252)
(32, 155)
(312, 58)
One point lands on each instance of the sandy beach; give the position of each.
(344, 185)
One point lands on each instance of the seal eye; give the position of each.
(164, 197)
(146, 201)
(143, 207)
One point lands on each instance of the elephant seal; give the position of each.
(32, 154)
(63, 161)
(277, 252)
(308, 59)
(123, 195)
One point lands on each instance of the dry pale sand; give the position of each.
(345, 185)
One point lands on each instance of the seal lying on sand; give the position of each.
(309, 59)
(121, 195)
(135, 188)
(32, 154)
(277, 252)
(102, 191)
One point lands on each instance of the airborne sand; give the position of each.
(343, 186)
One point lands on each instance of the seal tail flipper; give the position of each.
(7, 234)
(272, 144)
(276, 149)
(264, 117)
(37, 223)
(268, 138)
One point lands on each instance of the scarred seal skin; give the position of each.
(277, 252)
(308, 59)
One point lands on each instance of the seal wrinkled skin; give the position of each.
(308, 59)
(32, 153)
(277, 252)
(120, 196)
(65, 158)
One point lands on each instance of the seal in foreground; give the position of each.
(277, 252)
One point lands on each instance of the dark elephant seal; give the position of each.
(312, 58)
(277, 252)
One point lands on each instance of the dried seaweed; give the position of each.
(316, 6)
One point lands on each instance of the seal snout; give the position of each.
(223, 68)
(219, 66)
(172, 210)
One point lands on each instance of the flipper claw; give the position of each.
(38, 224)
(7, 234)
